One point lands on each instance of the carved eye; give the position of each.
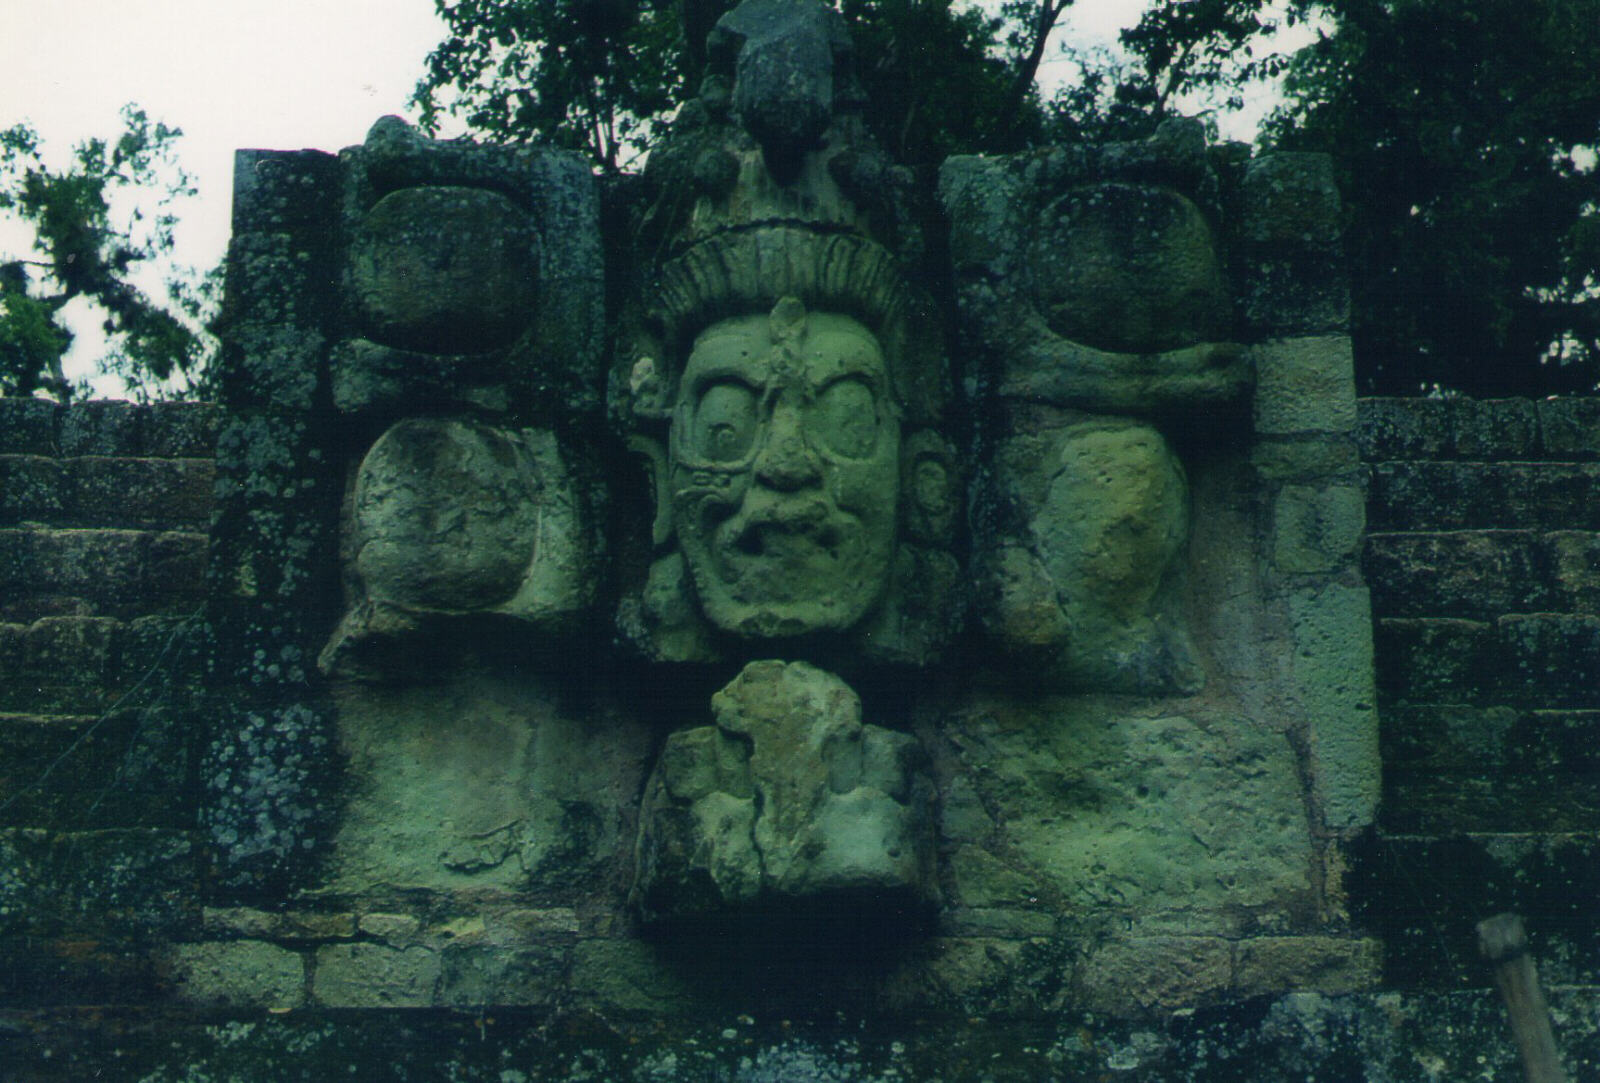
(845, 420)
(725, 422)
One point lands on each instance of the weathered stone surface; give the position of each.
(445, 269)
(238, 973)
(127, 769)
(1569, 428)
(32, 487)
(1118, 306)
(1128, 268)
(280, 288)
(139, 492)
(1298, 458)
(480, 782)
(1431, 660)
(266, 776)
(1317, 529)
(1404, 1037)
(1423, 896)
(787, 799)
(1077, 581)
(1457, 495)
(1304, 385)
(1476, 574)
(1305, 964)
(375, 976)
(451, 519)
(29, 426)
(1156, 975)
(1139, 813)
(102, 427)
(786, 77)
(1393, 428)
(1487, 429)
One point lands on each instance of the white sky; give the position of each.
(278, 74)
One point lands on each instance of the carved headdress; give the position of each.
(771, 187)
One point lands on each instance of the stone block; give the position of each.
(1317, 529)
(1306, 458)
(103, 567)
(74, 771)
(1303, 964)
(363, 975)
(1423, 896)
(1433, 659)
(181, 430)
(1489, 429)
(29, 427)
(1471, 574)
(1304, 384)
(626, 976)
(102, 427)
(1290, 199)
(1549, 660)
(1570, 427)
(1573, 557)
(1332, 669)
(1301, 290)
(39, 973)
(1396, 428)
(138, 492)
(125, 882)
(238, 974)
(1132, 812)
(1457, 495)
(477, 975)
(1154, 975)
(291, 926)
(32, 488)
(70, 650)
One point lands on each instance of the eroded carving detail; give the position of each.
(787, 797)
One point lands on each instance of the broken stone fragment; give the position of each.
(787, 799)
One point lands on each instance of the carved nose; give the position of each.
(786, 461)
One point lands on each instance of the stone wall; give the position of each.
(1481, 556)
(104, 512)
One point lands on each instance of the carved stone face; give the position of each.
(784, 472)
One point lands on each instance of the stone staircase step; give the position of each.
(105, 572)
(1480, 429)
(95, 491)
(1534, 660)
(70, 772)
(1435, 495)
(1423, 895)
(1481, 574)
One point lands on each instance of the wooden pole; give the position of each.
(1503, 942)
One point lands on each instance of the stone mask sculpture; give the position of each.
(784, 466)
(782, 376)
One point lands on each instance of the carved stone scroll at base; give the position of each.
(786, 800)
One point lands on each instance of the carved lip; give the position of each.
(783, 531)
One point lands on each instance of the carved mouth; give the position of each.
(797, 532)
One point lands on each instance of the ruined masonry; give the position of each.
(778, 619)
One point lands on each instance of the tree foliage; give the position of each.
(84, 252)
(1463, 136)
(603, 76)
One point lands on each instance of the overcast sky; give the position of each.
(279, 74)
